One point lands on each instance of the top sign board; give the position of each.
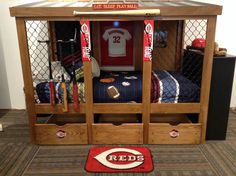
(114, 6)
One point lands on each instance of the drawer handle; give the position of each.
(61, 134)
(117, 123)
(174, 133)
(137, 12)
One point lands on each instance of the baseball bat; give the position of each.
(63, 84)
(136, 12)
(75, 86)
(51, 81)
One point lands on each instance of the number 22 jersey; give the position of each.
(116, 41)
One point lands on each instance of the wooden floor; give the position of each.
(19, 157)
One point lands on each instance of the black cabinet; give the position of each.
(219, 103)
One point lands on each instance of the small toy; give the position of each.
(125, 84)
(113, 92)
(130, 77)
(219, 51)
(107, 80)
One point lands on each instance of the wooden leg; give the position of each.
(206, 74)
(88, 98)
(147, 67)
(26, 69)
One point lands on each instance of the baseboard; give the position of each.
(233, 109)
(12, 109)
(1, 127)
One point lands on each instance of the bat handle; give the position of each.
(52, 93)
(75, 97)
(65, 101)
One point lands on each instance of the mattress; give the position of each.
(126, 87)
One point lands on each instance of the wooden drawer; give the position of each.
(62, 130)
(174, 131)
(126, 133)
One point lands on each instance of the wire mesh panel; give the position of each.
(194, 29)
(167, 86)
(38, 30)
(172, 85)
(43, 49)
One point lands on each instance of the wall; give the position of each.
(11, 87)
(225, 33)
(5, 101)
(226, 36)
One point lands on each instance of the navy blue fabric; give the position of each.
(174, 88)
(167, 87)
(189, 92)
(43, 92)
(185, 92)
(127, 93)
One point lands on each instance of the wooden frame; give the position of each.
(95, 133)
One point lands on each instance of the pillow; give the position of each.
(79, 69)
(43, 73)
(95, 67)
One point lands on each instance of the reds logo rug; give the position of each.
(119, 159)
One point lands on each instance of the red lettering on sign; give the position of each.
(114, 6)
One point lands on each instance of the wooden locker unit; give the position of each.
(171, 18)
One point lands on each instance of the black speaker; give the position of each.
(220, 95)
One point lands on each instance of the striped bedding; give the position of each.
(167, 87)
(172, 87)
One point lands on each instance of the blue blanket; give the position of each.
(125, 87)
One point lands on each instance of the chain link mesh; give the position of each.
(39, 58)
(193, 61)
(38, 30)
(182, 80)
(194, 29)
(193, 58)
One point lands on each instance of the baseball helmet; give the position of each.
(199, 43)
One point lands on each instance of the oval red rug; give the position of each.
(119, 159)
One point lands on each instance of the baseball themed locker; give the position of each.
(116, 72)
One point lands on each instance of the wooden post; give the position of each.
(206, 74)
(26, 69)
(146, 100)
(147, 69)
(88, 78)
(88, 82)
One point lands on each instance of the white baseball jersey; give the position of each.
(116, 41)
